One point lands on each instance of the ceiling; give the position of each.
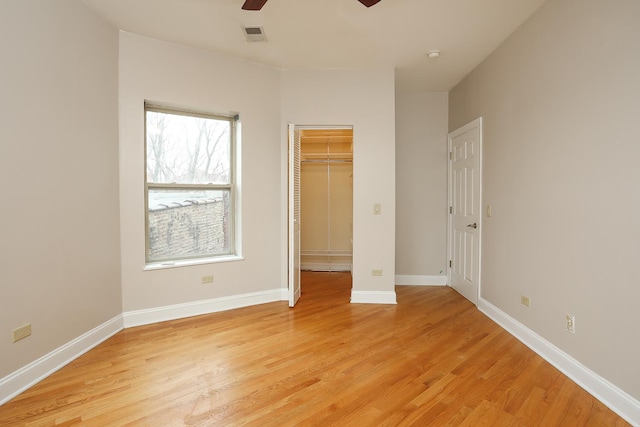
(304, 34)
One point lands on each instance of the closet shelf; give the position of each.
(327, 156)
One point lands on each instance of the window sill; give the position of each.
(190, 262)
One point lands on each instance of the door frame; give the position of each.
(462, 129)
(296, 127)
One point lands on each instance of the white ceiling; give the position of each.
(336, 33)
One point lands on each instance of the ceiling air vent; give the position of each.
(254, 34)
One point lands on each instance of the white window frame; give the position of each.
(232, 254)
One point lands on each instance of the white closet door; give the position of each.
(294, 216)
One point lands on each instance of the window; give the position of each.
(189, 184)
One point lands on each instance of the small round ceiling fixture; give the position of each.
(435, 53)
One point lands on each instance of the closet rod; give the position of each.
(327, 161)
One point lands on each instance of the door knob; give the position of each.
(474, 225)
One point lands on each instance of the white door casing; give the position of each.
(294, 216)
(464, 234)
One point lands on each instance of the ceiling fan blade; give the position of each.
(368, 3)
(254, 4)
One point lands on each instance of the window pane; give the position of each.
(188, 223)
(187, 149)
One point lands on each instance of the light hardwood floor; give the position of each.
(431, 360)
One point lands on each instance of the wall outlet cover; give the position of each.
(571, 323)
(21, 332)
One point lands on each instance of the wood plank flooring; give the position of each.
(431, 360)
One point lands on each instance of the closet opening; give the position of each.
(326, 198)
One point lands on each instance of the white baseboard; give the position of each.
(421, 280)
(25, 377)
(318, 266)
(373, 297)
(196, 308)
(619, 401)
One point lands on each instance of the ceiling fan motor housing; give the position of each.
(257, 4)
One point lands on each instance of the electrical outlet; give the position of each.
(376, 272)
(571, 323)
(21, 332)
(524, 300)
(207, 279)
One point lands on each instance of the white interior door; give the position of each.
(465, 154)
(294, 215)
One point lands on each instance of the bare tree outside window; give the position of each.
(189, 184)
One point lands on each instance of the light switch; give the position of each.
(377, 209)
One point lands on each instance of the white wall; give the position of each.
(164, 72)
(364, 99)
(560, 102)
(326, 215)
(59, 174)
(421, 184)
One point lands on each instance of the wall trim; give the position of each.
(197, 308)
(31, 374)
(319, 266)
(373, 297)
(412, 280)
(616, 399)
